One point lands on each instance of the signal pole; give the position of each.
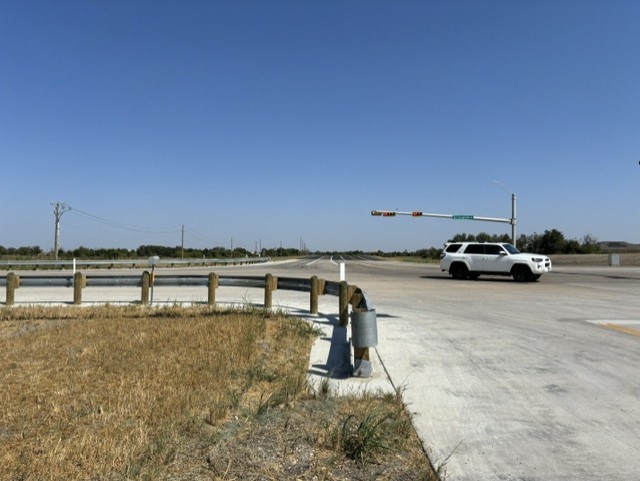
(513, 211)
(58, 209)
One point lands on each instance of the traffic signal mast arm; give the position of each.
(393, 213)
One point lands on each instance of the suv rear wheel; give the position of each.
(459, 271)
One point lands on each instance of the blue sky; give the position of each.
(268, 122)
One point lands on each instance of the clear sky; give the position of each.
(273, 121)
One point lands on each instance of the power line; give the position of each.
(203, 236)
(123, 225)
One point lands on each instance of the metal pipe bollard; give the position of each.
(364, 335)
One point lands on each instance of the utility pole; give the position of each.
(58, 209)
(182, 248)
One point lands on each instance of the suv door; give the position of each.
(495, 259)
(474, 255)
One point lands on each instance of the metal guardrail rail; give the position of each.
(109, 263)
(364, 329)
(357, 297)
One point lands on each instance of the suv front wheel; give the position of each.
(522, 273)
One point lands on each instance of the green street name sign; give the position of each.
(463, 217)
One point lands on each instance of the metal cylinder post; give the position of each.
(364, 335)
(364, 328)
(146, 282)
(79, 283)
(213, 285)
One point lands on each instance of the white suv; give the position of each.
(468, 260)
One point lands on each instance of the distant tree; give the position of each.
(525, 243)
(571, 246)
(552, 242)
(590, 244)
(29, 251)
(240, 252)
(431, 253)
(463, 238)
(83, 253)
(481, 237)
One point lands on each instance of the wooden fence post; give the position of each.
(313, 302)
(213, 285)
(356, 298)
(343, 303)
(13, 282)
(146, 282)
(270, 285)
(79, 283)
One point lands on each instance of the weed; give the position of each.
(362, 438)
(325, 387)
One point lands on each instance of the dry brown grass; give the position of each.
(137, 393)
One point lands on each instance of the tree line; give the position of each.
(144, 251)
(550, 242)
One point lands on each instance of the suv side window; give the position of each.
(474, 249)
(453, 247)
(493, 249)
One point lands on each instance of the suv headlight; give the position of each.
(537, 259)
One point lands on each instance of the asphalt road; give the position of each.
(508, 381)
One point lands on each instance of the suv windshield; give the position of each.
(511, 249)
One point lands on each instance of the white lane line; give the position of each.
(313, 261)
(626, 326)
(617, 322)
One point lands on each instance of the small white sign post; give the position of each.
(153, 260)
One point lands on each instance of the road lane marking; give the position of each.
(314, 261)
(630, 327)
(626, 330)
